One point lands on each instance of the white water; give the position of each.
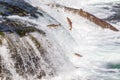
(97, 46)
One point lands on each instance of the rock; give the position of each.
(18, 27)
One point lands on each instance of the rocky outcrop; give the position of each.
(7, 9)
(27, 56)
(18, 27)
(26, 51)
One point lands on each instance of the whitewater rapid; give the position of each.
(98, 47)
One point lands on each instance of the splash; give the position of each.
(41, 46)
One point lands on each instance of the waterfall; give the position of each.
(53, 40)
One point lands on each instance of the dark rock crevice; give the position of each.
(21, 9)
(18, 27)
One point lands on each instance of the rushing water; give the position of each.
(32, 48)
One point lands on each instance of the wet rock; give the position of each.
(0, 65)
(0, 41)
(2, 33)
(28, 57)
(21, 9)
(7, 9)
(18, 27)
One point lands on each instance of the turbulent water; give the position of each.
(36, 42)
